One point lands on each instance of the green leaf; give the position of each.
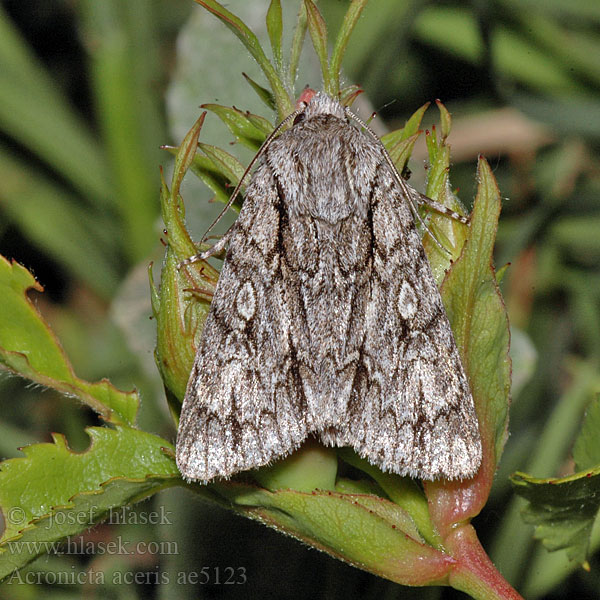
(480, 326)
(344, 485)
(247, 37)
(339, 524)
(478, 316)
(214, 178)
(226, 163)
(260, 123)
(403, 491)
(318, 33)
(449, 232)
(439, 157)
(411, 127)
(445, 119)
(76, 517)
(185, 154)
(349, 94)
(213, 175)
(249, 130)
(343, 37)
(586, 451)
(263, 93)
(311, 467)
(179, 320)
(401, 151)
(297, 43)
(53, 492)
(562, 510)
(29, 348)
(275, 30)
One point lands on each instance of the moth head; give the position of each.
(321, 104)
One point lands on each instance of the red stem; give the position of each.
(474, 572)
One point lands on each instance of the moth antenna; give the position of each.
(223, 241)
(400, 181)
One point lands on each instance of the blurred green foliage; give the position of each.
(88, 91)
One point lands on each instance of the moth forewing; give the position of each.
(326, 320)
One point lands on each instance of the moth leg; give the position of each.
(438, 207)
(212, 251)
(421, 199)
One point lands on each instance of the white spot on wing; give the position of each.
(246, 301)
(407, 301)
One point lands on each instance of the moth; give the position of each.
(326, 319)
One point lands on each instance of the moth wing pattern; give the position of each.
(327, 320)
(411, 410)
(242, 405)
